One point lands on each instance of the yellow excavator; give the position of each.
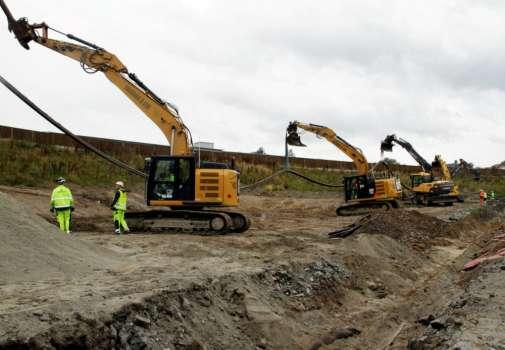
(364, 192)
(180, 181)
(434, 183)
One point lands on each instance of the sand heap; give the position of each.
(408, 226)
(33, 249)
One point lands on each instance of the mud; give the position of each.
(281, 285)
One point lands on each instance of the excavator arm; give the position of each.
(388, 143)
(442, 165)
(293, 138)
(95, 59)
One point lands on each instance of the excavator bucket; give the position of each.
(387, 144)
(292, 137)
(22, 30)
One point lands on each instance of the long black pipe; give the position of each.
(68, 132)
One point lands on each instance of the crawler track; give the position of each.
(200, 222)
(365, 208)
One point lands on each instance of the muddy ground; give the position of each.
(396, 283)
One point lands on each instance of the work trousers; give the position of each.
(119, 221)
(64, 217)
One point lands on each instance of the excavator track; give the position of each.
(199, 222)
(363, 208)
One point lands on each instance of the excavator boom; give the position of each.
(388, 143)
(96, 59)
(357, 156)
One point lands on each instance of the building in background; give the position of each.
(205, 146)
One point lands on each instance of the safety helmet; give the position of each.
(120, 183)
(60, 180)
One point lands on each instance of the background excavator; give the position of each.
(434, 184)
(363, 192)
(178, 181)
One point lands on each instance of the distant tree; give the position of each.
(390, 161)
(260, 150)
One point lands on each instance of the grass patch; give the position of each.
(29, 164)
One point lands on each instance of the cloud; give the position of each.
(432, 72)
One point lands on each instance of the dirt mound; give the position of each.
(33, 249)
(237, 311)
(408, 226)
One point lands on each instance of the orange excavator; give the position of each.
(194, 190)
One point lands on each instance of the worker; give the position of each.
(62, 204)
(491, 195)
(482, 197)
(119, 207)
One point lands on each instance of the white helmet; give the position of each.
(60, 180)
(120, 183)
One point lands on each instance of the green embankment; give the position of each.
(29, 164)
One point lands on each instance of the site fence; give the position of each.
(124, 149)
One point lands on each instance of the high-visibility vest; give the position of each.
(61, 198)
(121, 201)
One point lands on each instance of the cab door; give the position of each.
(171, 179)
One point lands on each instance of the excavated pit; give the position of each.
(281, 285)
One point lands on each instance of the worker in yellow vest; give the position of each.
(119, 207)
(62, 204)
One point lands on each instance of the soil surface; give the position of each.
(396, 283)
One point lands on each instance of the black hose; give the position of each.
(312, 180)
(289, 171)
(68, 132)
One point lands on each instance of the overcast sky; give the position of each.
(433, 72)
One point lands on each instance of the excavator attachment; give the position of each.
(22, 29)
(387, 144)
(292, 137)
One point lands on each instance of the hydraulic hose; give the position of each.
(288, 171)
(68, 132)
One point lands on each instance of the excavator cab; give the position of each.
(358, 187)
(420, 178)
(170, 179)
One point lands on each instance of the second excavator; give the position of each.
(194, 190)
(434, 184)
(364, 192)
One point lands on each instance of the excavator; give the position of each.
(434, 184)
(364, 192)
(194, 190)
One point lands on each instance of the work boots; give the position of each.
(117, 228)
